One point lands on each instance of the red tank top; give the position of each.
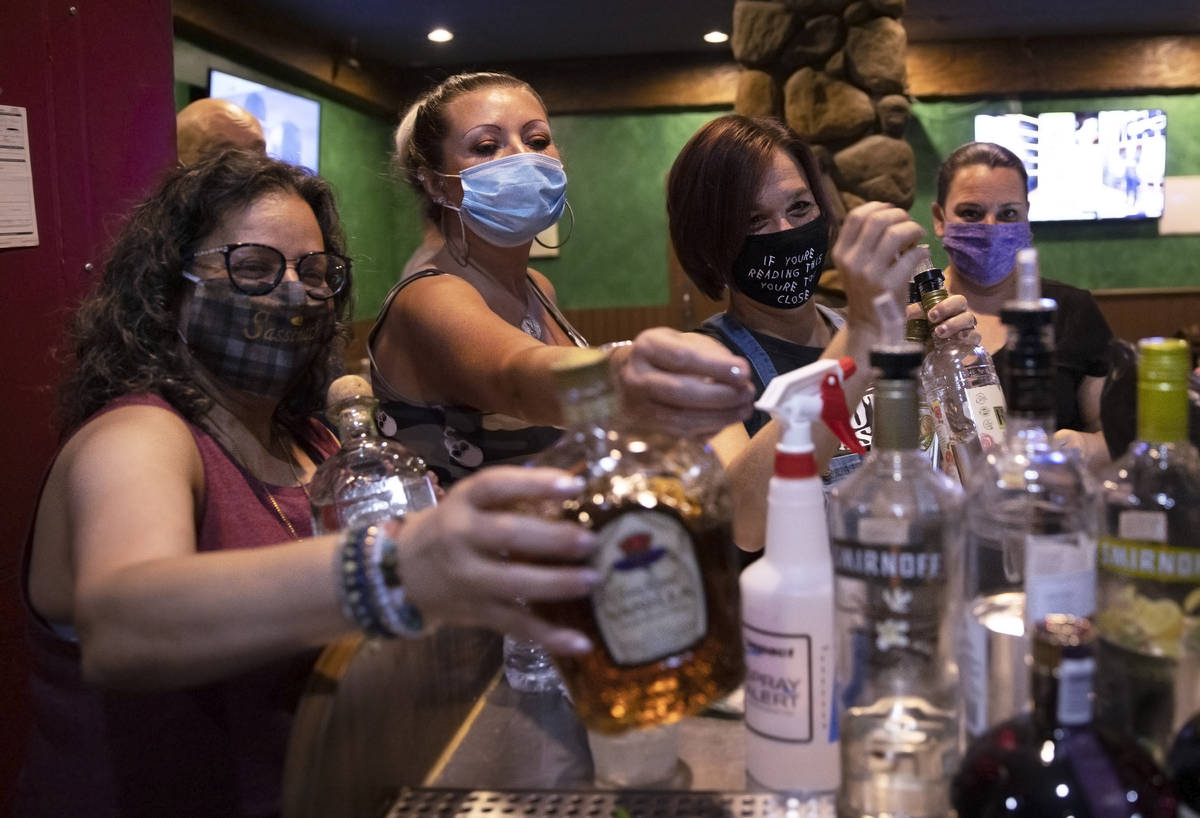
(213, 750)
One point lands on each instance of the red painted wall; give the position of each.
(96, 79)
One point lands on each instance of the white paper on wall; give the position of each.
(1181, 208)
(18, 218)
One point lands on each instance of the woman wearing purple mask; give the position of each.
(462, 350)
(982, 217)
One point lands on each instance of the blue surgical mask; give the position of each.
(508, 201)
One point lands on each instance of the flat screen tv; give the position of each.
(1087, 165)
(291, 123)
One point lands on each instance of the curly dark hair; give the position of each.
(712, 187)
(123, 337)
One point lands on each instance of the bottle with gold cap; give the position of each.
(1148, 567)
(664, 622)
(370, 478)
(918, 330)
(962, 388)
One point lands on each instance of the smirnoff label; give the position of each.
(1144, 559)
(651, 603)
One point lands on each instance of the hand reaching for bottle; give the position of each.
(875, 252)
(948, 318)
(682, 383)
(473, 560)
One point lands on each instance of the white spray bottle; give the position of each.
(787, 596)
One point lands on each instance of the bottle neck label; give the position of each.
(651, 604)
(1074, 705)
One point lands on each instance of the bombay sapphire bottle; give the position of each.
(370, 478)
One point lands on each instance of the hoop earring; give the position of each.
(462, 230)
(570, 210)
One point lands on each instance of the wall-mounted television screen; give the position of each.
(1086, 165)
(291, 123)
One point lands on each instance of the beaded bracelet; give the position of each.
(371, 593)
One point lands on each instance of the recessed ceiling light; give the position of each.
(440, 35)
(716, 37)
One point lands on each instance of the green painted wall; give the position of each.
(380, 216)
(1095, 255)
(617, 167)
(617, 164)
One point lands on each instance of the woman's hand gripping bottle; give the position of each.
(664, 620)
(962, 388)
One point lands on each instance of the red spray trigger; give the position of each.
(834, 413)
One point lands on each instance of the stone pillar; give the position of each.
(834, 71)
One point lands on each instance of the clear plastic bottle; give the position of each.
(896, 530)
(1031, 532)
(963, 390)
(1148, 597)
(370, 478)
(665, 620)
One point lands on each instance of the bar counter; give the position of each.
(432, 728)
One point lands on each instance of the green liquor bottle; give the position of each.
(1148, 595)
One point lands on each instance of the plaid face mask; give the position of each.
(258, 344)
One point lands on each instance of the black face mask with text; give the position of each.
(782, 269)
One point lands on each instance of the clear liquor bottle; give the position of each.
(917, 330)
(370, 478)
(1055, 762)
(1031, 533)
(896, 534)
(963, 389)
(665, 621)
(1149, 560)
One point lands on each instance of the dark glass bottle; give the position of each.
(1055, 762)
(1184, 764)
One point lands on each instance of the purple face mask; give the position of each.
(985, 253)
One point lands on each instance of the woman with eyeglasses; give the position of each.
(176, 597)
(462, 348)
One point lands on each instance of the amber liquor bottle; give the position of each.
(665, 620)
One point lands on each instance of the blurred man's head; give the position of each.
(209, 125)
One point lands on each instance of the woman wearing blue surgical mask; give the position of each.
(751, 220)
(982, 217)
(462, 348)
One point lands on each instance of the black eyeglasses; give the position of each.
(256, 269)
